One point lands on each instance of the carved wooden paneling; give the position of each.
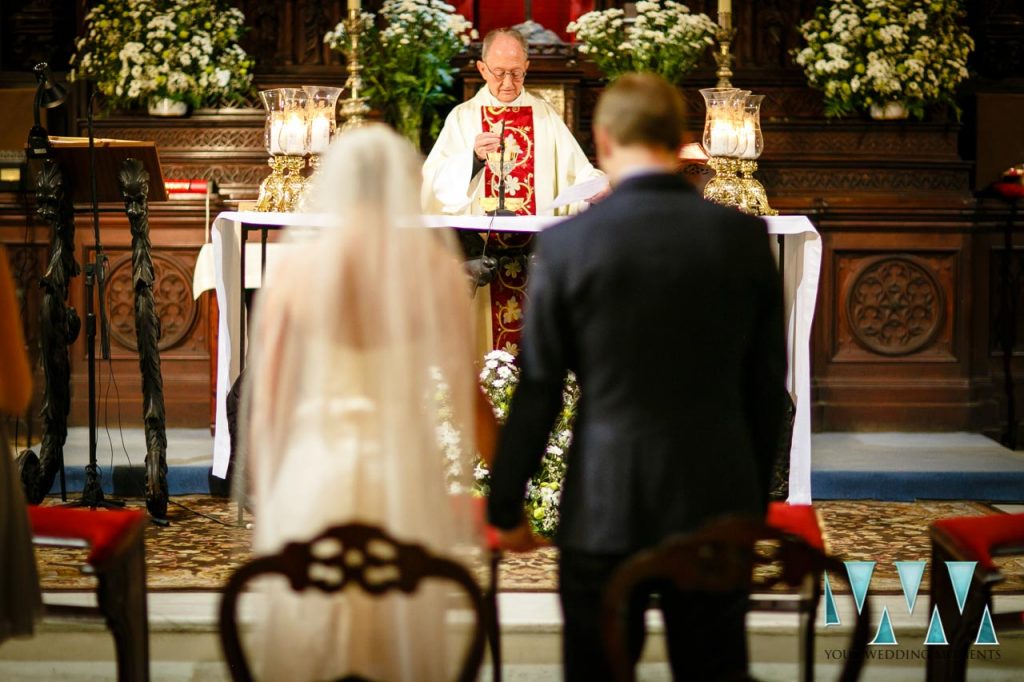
(814, 181)
(36, 31)
(172, 290)
(893, 306)
(997, 27)
(171, 141)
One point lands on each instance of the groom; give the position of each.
(669, 310)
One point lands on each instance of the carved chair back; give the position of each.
(355, 555)
(731, 554)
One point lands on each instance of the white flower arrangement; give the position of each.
(499, 377)
(665, 38)
(184, 50)
(862, 53)
(406, 54)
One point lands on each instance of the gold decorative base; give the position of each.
(755, 198)
(735, 186)
(295, 183)
(281, 191)
(725, 188)
(271, 197)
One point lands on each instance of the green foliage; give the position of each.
(406, 54)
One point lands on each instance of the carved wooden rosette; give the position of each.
(59, 328)
(134, 182)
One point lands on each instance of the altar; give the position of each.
(221, 265)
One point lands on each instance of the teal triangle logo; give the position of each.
(859, 573)
(960, 574)
(884, 635)
(911, 573)
(831, 612)
(986, 631)
(936, 633)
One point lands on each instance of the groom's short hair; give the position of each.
(643, 109)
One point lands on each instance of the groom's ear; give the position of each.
(603, 144)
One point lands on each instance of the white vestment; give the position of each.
(448, 182)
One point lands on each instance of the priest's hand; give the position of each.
(486, 143)
(521, 539)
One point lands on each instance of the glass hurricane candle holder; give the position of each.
(286, 138)
(322, 112)
(721, 141)
(754, 198)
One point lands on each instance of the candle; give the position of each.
(723, 139)
(353, 5)
(294, 135)
(276, 128)
(319, 134)
(741, 143)
(749, 150)
(723, 6)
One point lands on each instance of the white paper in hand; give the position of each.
(578, 192)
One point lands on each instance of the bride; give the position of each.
(355, 330)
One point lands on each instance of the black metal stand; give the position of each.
(1008, 333)
(92, 491)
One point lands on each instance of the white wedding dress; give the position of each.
(343, 415)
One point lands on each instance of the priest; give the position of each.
(542, 158)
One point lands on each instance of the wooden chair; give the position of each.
(799, 521)
(492, 546)
(979, 539)
(359, 554)
(117, 558)
(722, 557)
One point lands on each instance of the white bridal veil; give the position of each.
(361, 347)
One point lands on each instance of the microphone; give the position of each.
(501, 210)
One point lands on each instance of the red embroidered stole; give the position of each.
(508, 290)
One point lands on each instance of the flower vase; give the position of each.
(890, 111)
(165, 106)
(410, 122)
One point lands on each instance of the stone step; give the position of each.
(184, 644)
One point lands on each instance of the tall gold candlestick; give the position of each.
(354, 108)
(724, 35)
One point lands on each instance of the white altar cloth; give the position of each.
(219, 267)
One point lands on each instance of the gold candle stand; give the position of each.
(281, 191)
(723, 57)
(354, 108)
(754, 199)
(725, 188)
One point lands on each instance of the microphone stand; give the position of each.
(95, 273)
(501, 210)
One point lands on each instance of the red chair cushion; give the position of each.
(105, 532)
(979, 535)
(796, 519)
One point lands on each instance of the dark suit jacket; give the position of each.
(669, 310)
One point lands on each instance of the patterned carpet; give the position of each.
(203, 545)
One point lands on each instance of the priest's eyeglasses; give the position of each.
(517, 75)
